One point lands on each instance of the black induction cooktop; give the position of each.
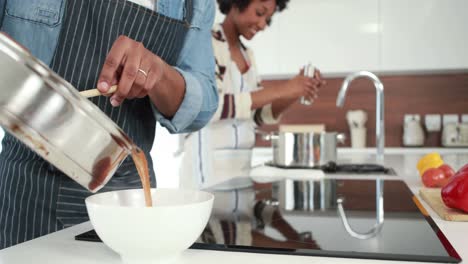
(302, 218)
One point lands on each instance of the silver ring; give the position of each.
(143, 72)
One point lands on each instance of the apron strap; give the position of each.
(188, 12)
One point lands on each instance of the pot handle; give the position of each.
(341, 138)
(267, 136)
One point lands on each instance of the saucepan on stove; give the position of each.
(303, 149)
(49, 115)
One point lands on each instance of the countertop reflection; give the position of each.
(301, 218)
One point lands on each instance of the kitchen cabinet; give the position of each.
(424, 34)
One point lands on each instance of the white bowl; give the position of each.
(155, 234)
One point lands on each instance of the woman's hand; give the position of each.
(133, 68)
(320, 83)
(318, 76)
(302, 85)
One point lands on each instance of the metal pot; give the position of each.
(304, 149)
(49, 115)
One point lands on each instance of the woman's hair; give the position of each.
(226, 5)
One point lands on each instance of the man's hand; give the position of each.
(133, 68)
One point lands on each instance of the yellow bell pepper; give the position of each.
(428, 161)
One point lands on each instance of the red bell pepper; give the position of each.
(434, 178)
(455, 192)
(437, 177)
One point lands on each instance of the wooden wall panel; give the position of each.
(404, 94)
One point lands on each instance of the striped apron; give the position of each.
(37, 199)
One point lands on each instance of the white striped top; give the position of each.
(221, 150)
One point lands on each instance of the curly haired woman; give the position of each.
(221, 152)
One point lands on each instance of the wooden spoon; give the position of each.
(95, 92)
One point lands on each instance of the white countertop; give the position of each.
(60, 247)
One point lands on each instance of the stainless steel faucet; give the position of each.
(379, 104)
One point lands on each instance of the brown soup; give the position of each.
(102, 167)
(141, 164)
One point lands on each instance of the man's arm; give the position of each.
(196, 65)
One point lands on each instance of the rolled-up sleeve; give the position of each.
(196, 64)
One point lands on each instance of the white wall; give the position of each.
(430, 34)
(340, 36)
(334, 35)
(166, 165)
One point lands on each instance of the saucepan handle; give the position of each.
(95, 92)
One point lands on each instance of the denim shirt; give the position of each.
(36, 24)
